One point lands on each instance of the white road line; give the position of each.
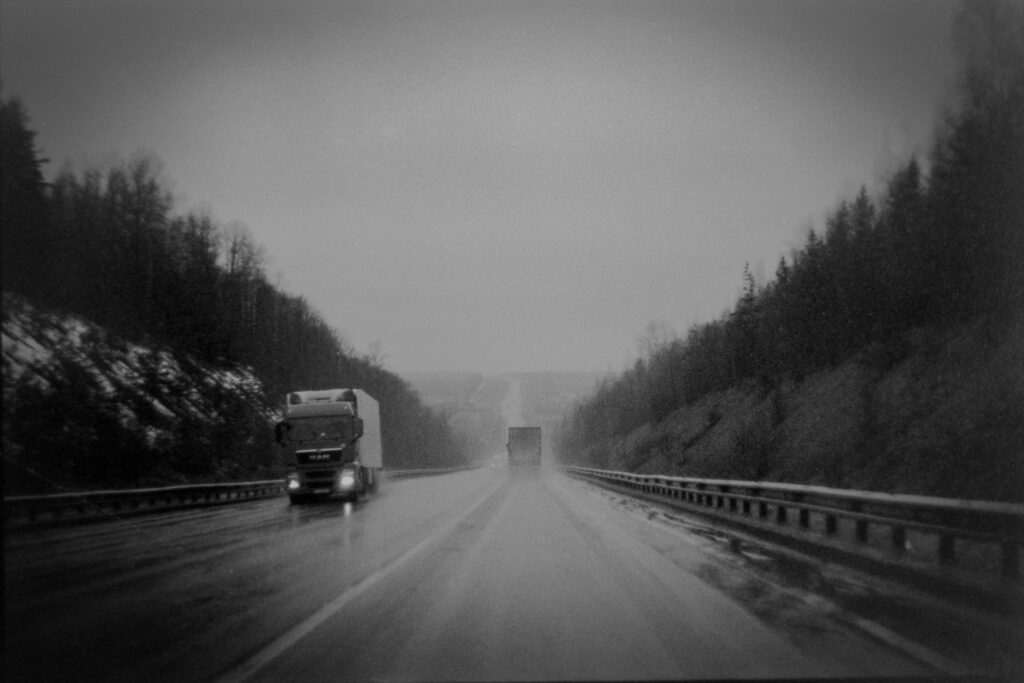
(298, 632)
(919, 652)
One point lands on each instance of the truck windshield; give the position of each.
(319, 428)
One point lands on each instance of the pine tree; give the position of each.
(975, 196)
(865, 264)
(23, 225)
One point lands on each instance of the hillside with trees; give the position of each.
(908, 305)
(109, 247)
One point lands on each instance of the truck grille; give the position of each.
(319, 475)
(318, 457)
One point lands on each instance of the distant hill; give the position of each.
(547, 395)
(440, 389)
(475, 404)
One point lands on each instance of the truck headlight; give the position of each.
(293, 482)
(347, 480)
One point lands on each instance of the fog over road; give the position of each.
(476, 575)
(512, 407)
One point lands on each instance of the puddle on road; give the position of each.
(776, 566)
(316, 511)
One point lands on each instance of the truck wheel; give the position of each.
(296, 499)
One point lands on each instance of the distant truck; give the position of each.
(334, 441)
(523, 446)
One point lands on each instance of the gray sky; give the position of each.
(494, 186)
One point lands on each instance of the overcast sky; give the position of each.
(494, 186)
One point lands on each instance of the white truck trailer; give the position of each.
(334, 439)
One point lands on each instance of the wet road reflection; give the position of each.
(477, 574)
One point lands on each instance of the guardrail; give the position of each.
(96, 505)
(953, 538)
(405, 474)
(24, 510)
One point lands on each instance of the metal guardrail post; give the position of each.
(861, 525)
(804, 513)
(898, 538)
(780, 513)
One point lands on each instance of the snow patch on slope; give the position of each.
(151, 389)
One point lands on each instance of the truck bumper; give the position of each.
(303, 485)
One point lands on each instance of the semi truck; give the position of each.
(334, 441)
(523, 447)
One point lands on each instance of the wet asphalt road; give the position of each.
(478, 575)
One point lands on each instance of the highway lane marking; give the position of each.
(284, 642)
(920, 652)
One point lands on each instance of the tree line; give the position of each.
(939, 247)
(109, 245)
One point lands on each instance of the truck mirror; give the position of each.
(279, 429)
(357, 427)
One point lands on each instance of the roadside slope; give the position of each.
(944, 420)
(83, 407)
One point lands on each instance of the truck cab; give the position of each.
(333, 439)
